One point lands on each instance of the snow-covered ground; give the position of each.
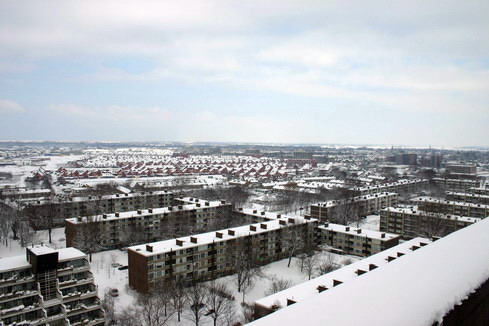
(105, 265)
(371, 222)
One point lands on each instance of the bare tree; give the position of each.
(311, 264)
(196, 299)
(88, 237)
(328, 263)
(219, 301)
(42, 217)
(278, 285)
(178, 297)
(26, 234)
(151, 310)
(433, 226)
(108, 304)
(292, 240)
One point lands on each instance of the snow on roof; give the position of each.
(466, 194)
(216, 236)
(358, 232)
(391, 184)
(332, 203)
(258, 213)
(70, 254)
(415, 289)
(41, 250)
(448, 202)
(412, 211)
(13, 263)
(146, 212)
(308, 289)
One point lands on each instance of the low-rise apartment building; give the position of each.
(118, 229)
(443, 206)
(48, 287)
(59, 208)
(356, 241)
(411, 223)
(479, 190)
(455, 184)
(209, 255)
(364, 205)
(468, 197)
(401, 186)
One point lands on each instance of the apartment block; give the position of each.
(365, 205)
(401, 186)
(152, 223)
(441, 283)
(455, 184)
(468, 197)
(411, 223)
(62, 207)
(323, 284)
(479, 190)
(206, 256)
(48, 287)
(461, 168)
(437, 205)
(356, 241)
(256, 216)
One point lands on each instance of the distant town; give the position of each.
(230, 234)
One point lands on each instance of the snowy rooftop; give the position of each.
(216, 236)
(70, 254)
(258, 213)
(415, 289)
(391, 184)
(13, 263)
(357, 198)
(453, 193)
(448, 202)
(423, 213)
(41, 250)
(348, 273)
(147, 212)
(358, 232)
(108, 197)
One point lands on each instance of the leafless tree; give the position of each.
(292, 240)
(278, 285)
(26, 233)
(178, 297)
(42, 217)
(108, 303)
(345, 212)
(311, 264)
(133, 234)
(196, 299)
(151, 310)
(88, 237)
(219, 301)
(433, 226)
(328, 263)
(248, 312)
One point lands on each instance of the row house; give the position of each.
(154, 223)
(443, 206)
(48, 287)
(356, 241)
(210, 255)
(411, 223)
(365, 205)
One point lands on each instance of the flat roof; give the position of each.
(415, 289)
(209, 237)
(359, 232)
(145, 212)
(70, 253)
(331, 203)
(448, 202)
(309, 289)
(413, 211)
(390, 184)
(13, 263)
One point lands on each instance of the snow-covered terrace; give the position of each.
(216, 236)
(418, 288)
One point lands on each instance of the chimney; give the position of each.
(282, 222)
(252, 228)
(219, 235)
(359, 231)
(231, 232)
(360, 272)
(336, 282)
(321, 288)
(347, 228)
(223, 202)
(207, 203)
(254, 211)
(382, 235)
(371, 267)
(390, 258)
(399, 254)
(117, 214)
(140, 212)
(193, 239)
(180, 206)
(198, 205)
(263, 226)
(104, 216)
(291, 220)
(240, 209)
(262, 213)
(150, 210)
(149, 248)
(79, 218)
(179, 242)
(279, 215)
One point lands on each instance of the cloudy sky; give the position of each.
(368, 72)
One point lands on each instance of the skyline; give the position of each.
(216, 71)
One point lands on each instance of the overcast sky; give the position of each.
(368, 72)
